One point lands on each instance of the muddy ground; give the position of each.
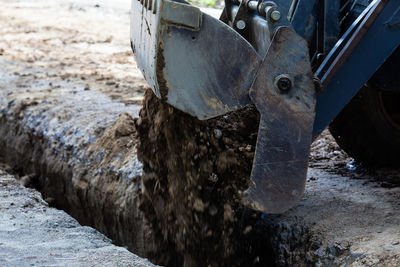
(70, 95)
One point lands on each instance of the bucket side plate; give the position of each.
(193, 61)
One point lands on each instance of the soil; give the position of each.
(77, 147)
(68, 81)
(82, 41)
(194, 173)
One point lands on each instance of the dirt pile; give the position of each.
(195, 171)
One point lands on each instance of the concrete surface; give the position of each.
(33, 234)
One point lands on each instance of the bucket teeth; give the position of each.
(149, 5)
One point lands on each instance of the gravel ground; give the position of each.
(33, 234)
(66, 76)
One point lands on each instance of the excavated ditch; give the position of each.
(183, 211)
(181, 205)
(91, 189)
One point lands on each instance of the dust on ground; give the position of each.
(326, 155)
(85, 41)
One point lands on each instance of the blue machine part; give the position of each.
(378, 43)
(260, 53)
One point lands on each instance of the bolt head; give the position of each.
(240, 24)
(283, 83)
(275, 15)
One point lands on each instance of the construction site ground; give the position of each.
(70, 95)
(33, 234)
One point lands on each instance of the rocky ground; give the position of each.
(70, 95)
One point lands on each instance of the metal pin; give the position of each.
(240, 24)
(275, 15)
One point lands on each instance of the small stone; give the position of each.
(50, 200)
(395, 243)
(228, 213)
(315, 245)
(335, 250)
(124, 125)
(213, 178)
(388, 248)
(138, 121)
(130, 143)
(319, 253)
(247, 229)
(217, 133)
(28, 180)
(198, 205)
(356, 255)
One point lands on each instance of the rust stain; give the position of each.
(215, 104)
(148, 27)
(162, 82)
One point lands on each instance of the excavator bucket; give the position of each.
(205, 68)
(195, 62)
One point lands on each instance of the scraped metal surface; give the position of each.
(208, 72)
(281, 159)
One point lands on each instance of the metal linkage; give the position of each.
(267, 9)
(256, 21)
(368, 42)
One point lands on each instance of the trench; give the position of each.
(183, 211)
(167, 214)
